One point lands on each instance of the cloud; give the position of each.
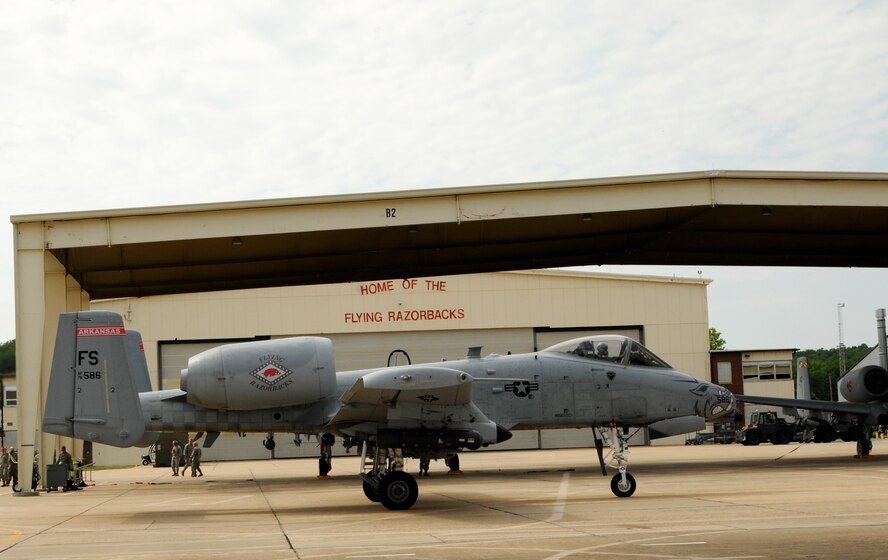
(120, 104)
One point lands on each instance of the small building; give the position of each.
(8, 405)
(763, 373)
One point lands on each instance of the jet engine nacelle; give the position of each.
(866, 384)
(261, 374)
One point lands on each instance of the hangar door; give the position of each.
(352, 351)
(173, 357)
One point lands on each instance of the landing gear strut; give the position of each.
(384, 479)
(325, 461)
(864, 442)
(623, 484)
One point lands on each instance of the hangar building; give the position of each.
(65, 262)
(428, 318)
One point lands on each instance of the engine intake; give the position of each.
(261, 374)
(866, 384)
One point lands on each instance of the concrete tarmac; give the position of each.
(706, 502)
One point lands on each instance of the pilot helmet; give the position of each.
(602, 349)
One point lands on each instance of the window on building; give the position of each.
(767, 371)
(724, 372)
(9, 396)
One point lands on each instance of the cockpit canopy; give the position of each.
(611, 348)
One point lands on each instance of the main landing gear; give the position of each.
(325, 461)
(384, 479)
(623, 484)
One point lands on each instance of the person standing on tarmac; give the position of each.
(13, 466)
(189, 449)
(65, 458)
(175, 455)
(4, 466)
(195, 460)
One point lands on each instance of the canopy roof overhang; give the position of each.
(747, 218)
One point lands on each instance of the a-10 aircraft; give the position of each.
(99, 391)
(864, 408)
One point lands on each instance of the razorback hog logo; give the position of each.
(271, 373)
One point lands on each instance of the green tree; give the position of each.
(7, 357)
(716, 342)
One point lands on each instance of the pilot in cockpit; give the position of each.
(602, 351)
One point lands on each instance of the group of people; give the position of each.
(191, 454)
(8, 466)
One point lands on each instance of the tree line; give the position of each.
(7, 357)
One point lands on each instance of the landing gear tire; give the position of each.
(453, 462)
(623, 489)
(864, 445)
(372, 495)
(824, 434)
(398, 490)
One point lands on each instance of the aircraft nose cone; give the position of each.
(720, 402)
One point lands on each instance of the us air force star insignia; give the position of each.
(428, 398)
(271, 373)
(522, 388)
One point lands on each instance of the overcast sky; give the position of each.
(123, 104)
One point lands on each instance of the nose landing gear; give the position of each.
(623, 484)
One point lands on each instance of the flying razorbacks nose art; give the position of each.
(271, 373)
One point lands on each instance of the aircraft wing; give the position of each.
(824, 406)
(374, 396)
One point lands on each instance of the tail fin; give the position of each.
(803, 379)
(803, 385)
(135, 356)
(95, 379)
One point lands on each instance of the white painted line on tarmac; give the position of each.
(673, 543)
(165, 502)
(229, 500)
(561, 500)
(383, 556)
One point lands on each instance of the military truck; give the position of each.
(766, 426)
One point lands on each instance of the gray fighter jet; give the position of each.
(99, 391)
(864, 404)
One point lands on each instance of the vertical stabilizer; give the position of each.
(803, 379)
(94, 383)
(135, 355)
(803, 382)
